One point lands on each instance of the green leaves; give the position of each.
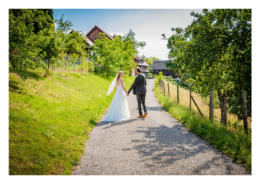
(62, 25)
(75, 45)
(27, 32)
(33, 39)
(117, 54)
(214, 51)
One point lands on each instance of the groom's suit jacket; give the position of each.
(139, 85)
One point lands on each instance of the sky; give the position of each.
(148, 24)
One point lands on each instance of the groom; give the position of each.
(139, 89)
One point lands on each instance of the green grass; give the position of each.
(235, 144)
(50, 119)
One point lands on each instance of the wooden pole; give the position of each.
(211, 105)
(87, 68)
(169, 89)
(190, 98)
(244, 110)
(163, 88)
(197, 106)
(178, 96)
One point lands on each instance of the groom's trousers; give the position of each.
(141, 101)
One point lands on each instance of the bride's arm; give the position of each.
(123, 85)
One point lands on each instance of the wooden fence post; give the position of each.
(211, 105)
(164, 88)
(190, 98)
(178, 97)
(244, 110)
(169, 89)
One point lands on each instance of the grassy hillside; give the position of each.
(236, 144)
(50, 119)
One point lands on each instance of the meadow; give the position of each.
(50, 119)
(235, 144)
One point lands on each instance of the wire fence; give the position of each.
(78, 65)
(197, 103)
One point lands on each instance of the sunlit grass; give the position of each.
(50, 119)
(236, 144)
(203, 103)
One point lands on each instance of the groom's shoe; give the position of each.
(145, 114)
(139, 116)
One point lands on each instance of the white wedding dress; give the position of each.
(118, 109)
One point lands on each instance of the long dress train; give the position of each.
(118, 109)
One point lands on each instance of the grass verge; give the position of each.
(235, 144)
(50, 119)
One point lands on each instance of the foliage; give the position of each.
(50, 119)
(34, 42)
(63, 25)
(27, 27)
(177, 82)
(130, 36)
(149, 60)
(117, 54)
(86, 65)
(233, 143)
(160, 76)
(214, 53)
(75, 47)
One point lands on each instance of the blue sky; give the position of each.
(148, 24)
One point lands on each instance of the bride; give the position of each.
(118, 109)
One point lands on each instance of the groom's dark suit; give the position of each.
(139, 89)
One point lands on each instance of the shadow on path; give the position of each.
(164, 146)
(157, 108)
(115, 123)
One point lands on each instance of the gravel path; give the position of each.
(158, 145)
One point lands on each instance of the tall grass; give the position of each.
(236, 144)
(50, 119)
(203, 103)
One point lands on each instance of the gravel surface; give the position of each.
(158, 145)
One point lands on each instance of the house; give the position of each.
(160, 66)
(93, 34)
(142, 65)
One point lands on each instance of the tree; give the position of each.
(62, 38)
(150, 60)
(75, 47)
(48, 46)
(33, 39)
(63, 25)
(25, 26)
(206, 53)
(130, 36)
(110, 56)
(238, 26)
